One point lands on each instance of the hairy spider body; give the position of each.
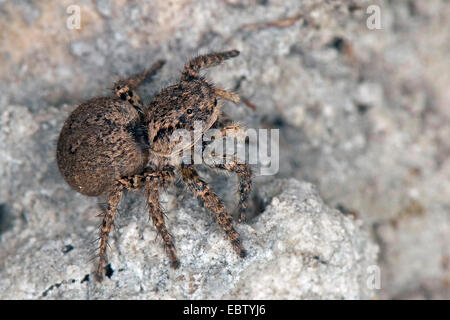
(108, 145)
(101, 142)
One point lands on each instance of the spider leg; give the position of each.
(242, 170)
(227, 95)
(155, 181)
(192, 68)
(244, 174)
(125, 89)
(203, 191)
(130, 183)
(107, 223)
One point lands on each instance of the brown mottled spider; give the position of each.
(109, 144)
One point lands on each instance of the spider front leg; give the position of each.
(155, 181)
(192, 68)
(232, 164)
(244, 174)
(125, 89)
(203, 191)
(227, 95)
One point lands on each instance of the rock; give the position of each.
(298, 248)
(363, 114)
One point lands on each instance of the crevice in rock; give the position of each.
(53, 286)
(257, 205)
(6, 218)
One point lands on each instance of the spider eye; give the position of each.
(189, 111)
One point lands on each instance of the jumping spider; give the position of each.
(109, 144)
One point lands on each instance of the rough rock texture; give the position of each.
(298, 249)
(363, 114)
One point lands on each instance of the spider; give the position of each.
(111, 144)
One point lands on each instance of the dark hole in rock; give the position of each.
(337, 43)
(278, 122)
(85, 279)
(354, 7)
(362, 108)
(67, 248)
(109, 271)
(6, 217)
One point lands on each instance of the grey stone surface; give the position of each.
(363, 114)
(298, 249)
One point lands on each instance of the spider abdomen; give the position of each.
(100, 142)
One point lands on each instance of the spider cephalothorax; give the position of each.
(111, 144)
(179, 106)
